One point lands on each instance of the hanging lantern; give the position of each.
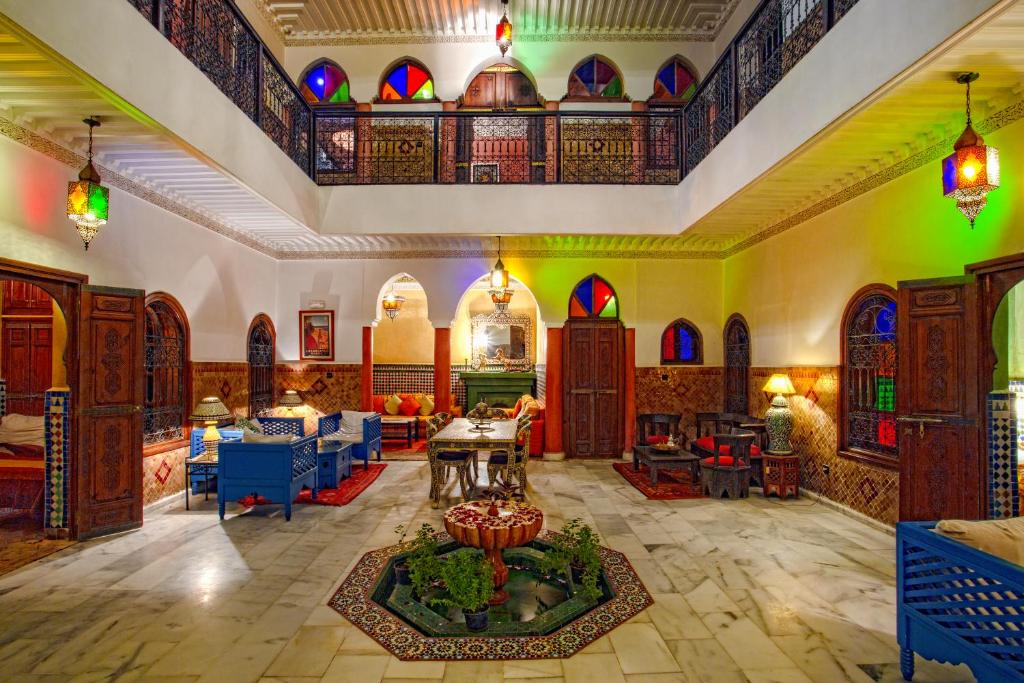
(499, 290)
(972, 170)
(88, 201)
(392, 304)
(503, 31)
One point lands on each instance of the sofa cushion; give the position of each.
(426, 402)
(247, 425)
(391, 405)
(532, 407)
(252, 437)
(409, 406)
(1000, 537)
(654, 439)
(707, 443)
(723, 460)
(378, 403)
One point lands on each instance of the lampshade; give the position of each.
(779, 383)
(290, 399)
(210, 409)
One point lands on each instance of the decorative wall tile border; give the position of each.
(57, 410)
(1001, 430)
(3, 397)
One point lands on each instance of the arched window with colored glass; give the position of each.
(407, 81)
(675, 82)
(595, 78)
(681, 344)
(867, 396)
(324, 82)
(594, 298)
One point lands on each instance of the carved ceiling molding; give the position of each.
(339, 39)
(443, 253)
(1003, 117)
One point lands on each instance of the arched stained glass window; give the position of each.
(407, 81)
(681, 344)
(594, 77)
(868, 405)
(324, 82)
(675, 81)
(166, 362)
(593, 298)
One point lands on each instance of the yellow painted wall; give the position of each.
(409, 338)
(792, 288)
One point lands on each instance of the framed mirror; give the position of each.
(502, 337)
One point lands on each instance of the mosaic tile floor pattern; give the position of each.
(746, 591)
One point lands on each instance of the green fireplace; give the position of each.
(497, 389)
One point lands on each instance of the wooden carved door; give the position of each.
(26, 362)
(111, 396)
(593, 362)
(941, 463)
(737, 363)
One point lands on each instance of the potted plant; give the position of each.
(469, 584)
(575, 552)
(419, 567)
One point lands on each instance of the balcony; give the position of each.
(657, 147)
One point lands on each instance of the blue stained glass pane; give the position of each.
(667, 77)
(585, 293)
(885, 322)
(684, 344)
(586, 74)
(399, 80)
(317, 80)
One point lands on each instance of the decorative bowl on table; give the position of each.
(482, 424)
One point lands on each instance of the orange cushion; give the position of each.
(405, 396)
(708, 444)
(378, 404)
(409, 406)
(723, 460)
(519, 405)
(656, 439)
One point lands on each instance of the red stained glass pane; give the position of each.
(417, 77)
(668, 344)
(602, 295)
(575, 309)
(887, 430)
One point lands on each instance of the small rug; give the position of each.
(349, 488)
(399, 451)
(22, 542)
(672, 484)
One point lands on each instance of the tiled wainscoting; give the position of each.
(681, 390)
(870, 490)
(228, 381)
(392, 378)
(542, 381)
(325, 387)
(163, 474)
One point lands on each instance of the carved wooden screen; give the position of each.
(737, 364)
(868, 406)
(166, 375)
(261, 368)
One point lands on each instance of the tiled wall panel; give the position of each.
(680, 390)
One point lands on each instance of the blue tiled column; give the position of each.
(3, 397)
(57, 411)
(1002, 455)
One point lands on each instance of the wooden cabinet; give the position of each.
(500, 88)
(26, 362)
(23, 298)
(593, 368)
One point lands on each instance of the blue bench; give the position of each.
(329, 425)
(277, 471)
(204, 473)
(957, 604)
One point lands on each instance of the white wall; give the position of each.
(220, 283)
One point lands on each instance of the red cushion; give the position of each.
(723, 460)
(378, 404)
(708, 444)
(409, 407)
(519, 406)
(656, 439)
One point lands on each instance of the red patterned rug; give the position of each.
(672, 484)
(348, 489)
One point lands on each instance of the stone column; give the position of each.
(553, 398)
(442, 369)
(366, 376)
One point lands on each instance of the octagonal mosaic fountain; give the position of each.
(534, 612)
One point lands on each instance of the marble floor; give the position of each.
(748, 591)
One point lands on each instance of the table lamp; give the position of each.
(779, 418)
(290, 399)
(210, 411)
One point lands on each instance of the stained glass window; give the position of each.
(869, 377)
(675, 81)
(595, 77)
(166, 355)
(408, 81)
(325, 83)
(593, 298)
(681, 344)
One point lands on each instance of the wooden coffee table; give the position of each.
(397, 427)
(656, 459)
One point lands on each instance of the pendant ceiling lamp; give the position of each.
(88, 201)
(392, 304)
(501, 293)
(972, 170)
(503, 31)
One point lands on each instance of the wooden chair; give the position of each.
(727, 471)
(655, 426)
(709, 424)
(521, 456)
(446, 460)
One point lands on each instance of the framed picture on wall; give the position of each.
(316, 335)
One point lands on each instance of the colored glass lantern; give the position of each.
(503, 31)
(325, 83)
(392, 304)
(407, 81)
(499, 290)
(88, 201)
(972, 170)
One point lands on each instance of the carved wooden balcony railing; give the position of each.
(338, 146)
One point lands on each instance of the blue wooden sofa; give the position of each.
(277, 471)
(958, 604)
(370, 441)
(205, 473)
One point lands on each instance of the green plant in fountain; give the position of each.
(576, 550)
(422, 560)
(468, 580)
